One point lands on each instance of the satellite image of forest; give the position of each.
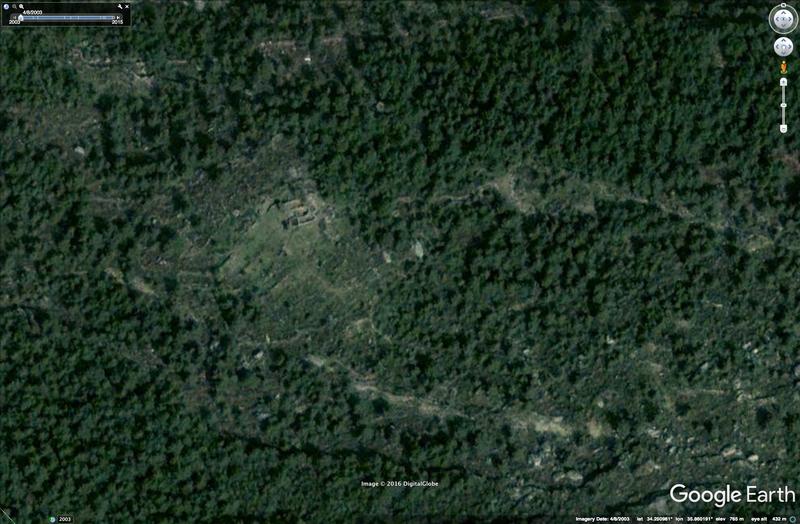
(397, 261)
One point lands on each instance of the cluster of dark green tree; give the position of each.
(555, 271)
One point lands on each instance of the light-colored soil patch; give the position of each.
(521, 421)
(541, 423)
(136, 283)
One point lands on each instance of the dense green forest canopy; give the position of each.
(252, 254)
